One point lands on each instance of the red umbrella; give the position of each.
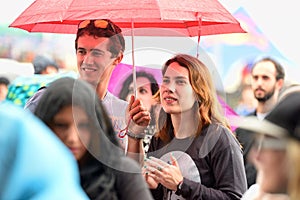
(187, 17)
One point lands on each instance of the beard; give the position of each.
(267, 96)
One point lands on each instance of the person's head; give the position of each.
(269, 157)
(267, 79)
(44, 65)
(4, 83)
(99, 48)
(187, 85)
(273, 134)
(73, 111)
(34, 163)
(146, 85)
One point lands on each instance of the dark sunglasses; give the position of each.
(99, 23)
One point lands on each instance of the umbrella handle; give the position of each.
(199, 34)
(133, 63)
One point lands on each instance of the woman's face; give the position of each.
(71, 125)
(270, 160)
(143, 93)
(176, 92)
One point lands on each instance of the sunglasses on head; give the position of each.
(98, 23)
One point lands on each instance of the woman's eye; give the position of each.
(60, 125)
(180, 82)
(143, 91)
(83, 126)
(166, 80)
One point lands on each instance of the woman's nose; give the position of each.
(170, 87)
(73, 134)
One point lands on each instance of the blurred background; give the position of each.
(271, 26)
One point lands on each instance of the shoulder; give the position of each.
(33, 100)
(219, 136)
(109, 97)
(217, 130)
(114, 105)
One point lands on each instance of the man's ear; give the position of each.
(280, 83)
(118, 59)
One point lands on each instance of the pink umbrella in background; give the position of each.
(122, 71)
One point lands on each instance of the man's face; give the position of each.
(264, 83)
(94, 62)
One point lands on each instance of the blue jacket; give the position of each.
(35, 164)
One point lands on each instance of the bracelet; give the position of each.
(135, 136)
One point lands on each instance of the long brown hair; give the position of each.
(207, 108)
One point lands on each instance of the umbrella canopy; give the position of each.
(188, 17)
(185, 18)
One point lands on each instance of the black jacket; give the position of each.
(246, 138)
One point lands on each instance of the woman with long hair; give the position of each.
(194, 154)
(74, 113)
(147, 87)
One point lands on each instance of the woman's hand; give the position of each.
(152, 184)
(167, 174)
(139, 115)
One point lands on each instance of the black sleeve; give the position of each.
(247, 139)
(227, 165)
(130, 182)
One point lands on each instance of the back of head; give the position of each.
(40, 63)
(4, 80)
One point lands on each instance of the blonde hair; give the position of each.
(294, 176)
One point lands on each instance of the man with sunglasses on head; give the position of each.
(99, 48)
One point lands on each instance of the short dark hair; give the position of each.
(40, 63)
(4, 80)
(280, 74)
(116, 44)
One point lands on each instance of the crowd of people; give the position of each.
(168, 141)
